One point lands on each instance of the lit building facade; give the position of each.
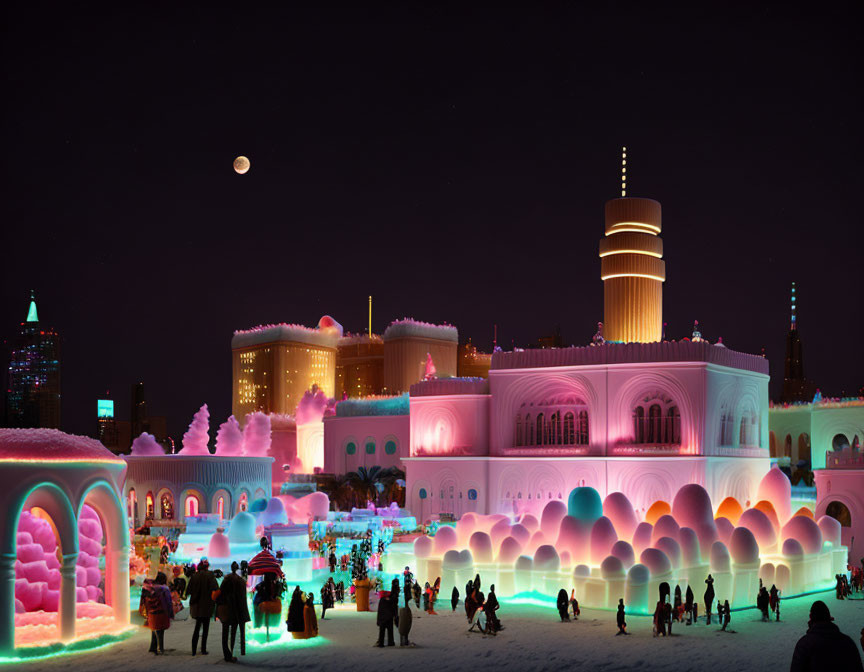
(359, 366)
(630, 415)
(473, 363)
(366, 433)
(839, 495)
(106, 426)
(811, 431)
(406, 346)
(274, 365)
(33, 393)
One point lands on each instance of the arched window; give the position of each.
(747, 433)
(518, 437)
(529, 431)
(639, 425)
(166, 506)
(839, 442)
(726, 425)
(582, 433)
(804, 447)
(540, 425)
(555, 430)
(569, 429)
(840, 512)
(787, 446)
(656, 420)
(149, 506)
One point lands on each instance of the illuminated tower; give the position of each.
(632, 268)
(795, 386)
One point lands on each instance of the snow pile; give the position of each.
(34, 444)
(146, 446)
(327, 334)
(256, 435)
(313, 406)
(229, 438)
(373, 406)
(410, 328)
(197, 437)
(359, 339)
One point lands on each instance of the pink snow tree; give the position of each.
(314, 406)
(229, 438)
(256, 434)
(197, 437)
(146, 445)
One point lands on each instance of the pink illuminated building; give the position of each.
(643, 417)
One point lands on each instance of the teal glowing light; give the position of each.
(32, 315)
(105, 408)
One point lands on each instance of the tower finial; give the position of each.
(370, 316)
(623, 172)
(793, 325)
(32, 314)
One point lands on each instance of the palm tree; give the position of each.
(364, 482)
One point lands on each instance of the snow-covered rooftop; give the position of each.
(372, 406)
(411, 328)
(53, 445)
(326, 334)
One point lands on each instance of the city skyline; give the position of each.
(488, 159)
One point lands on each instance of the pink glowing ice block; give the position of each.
(445, 538)
(499, 532)
(720, 560)
(219, 546)
(521, 533)
(573, 537)
(611, 567)
(618, 509)
(806, 531)
(792, 549)
(624, 552)
(691, 555)
(457, 560)
(509, 551)
(529, 522)
(313, 506)
(761, 527)
(776, 488)
(666, 526)
(743, 546)
(481, 547)
(691, 506)
(550, 521)
(603, 537)
(831, 530)
(423, 546)
(671, 548)
(642, 536)
(656, 561)
(546, 558)
(465, 527)
(724, 529)
(657, 509)
(768, 509)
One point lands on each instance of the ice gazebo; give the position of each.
(64, 561)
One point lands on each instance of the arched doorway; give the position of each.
(149, 506)
(132, 510)
(191, 505)
(839, 512)
(772, 438)
(839, 442)
(166, 505)
(804, 447)
(787, 446)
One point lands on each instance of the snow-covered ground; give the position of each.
(533, 640)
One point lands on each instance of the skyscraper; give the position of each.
(33, 383)
(795, 386)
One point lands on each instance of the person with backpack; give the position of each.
(157, 606)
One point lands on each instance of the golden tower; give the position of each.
(632, 268)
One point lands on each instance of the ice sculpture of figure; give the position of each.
(431, 371)
(598, 337)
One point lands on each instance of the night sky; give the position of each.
(452, 163)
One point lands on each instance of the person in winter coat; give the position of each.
(678, 604)
(386, 615)
(688, 604)
(762, 601)
(233, 611)
(773, 598)
(295, 622)
(328, 596)
(454, 598)
(490, 607)
(159, 609)
(660, 619)
(824, 647)
(709, 598)
(620, 619)
(267, 601)
(405, 619)
(563, 605)
(727, 614)
(310, 621)
(427, 593)
(332, 561)
(574, 605)
(417, 591)
(202, 585)
(470, 602)
(407, 584)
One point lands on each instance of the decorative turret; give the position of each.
(632, 268)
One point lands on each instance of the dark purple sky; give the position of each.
(454, 164)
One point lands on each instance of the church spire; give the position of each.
(32, 315)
